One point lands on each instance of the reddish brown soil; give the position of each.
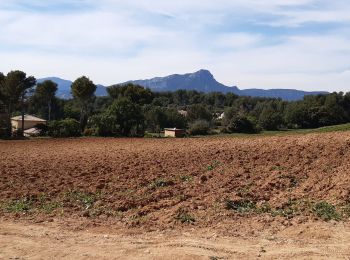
(153, 184)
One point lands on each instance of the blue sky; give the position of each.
(302, 44)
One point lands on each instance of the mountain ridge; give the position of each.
(202, 81)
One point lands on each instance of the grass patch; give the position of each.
(290, 209)
(84, 199)
(326, 211)
(185, 217)
(241, 206)
(46, 205)
(21, 205)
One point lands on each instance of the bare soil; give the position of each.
(185, 198)
(53, 241)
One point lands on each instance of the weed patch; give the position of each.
(241, 206)
(326, 211)
(185, 217)
(21, 205)
(84, 199)
(213, 165)
(159, 183)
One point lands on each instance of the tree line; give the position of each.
(132, 110)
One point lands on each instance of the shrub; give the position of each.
(242, 124)
(199, 127)
(64, 128)
(20, 205)
(325, 211)
(185, 217)
(104, 125)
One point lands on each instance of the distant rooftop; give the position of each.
(28, 118)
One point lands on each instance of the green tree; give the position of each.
(199, 112)
(14, 88)
(83, 90)
(241, 124)
(199, 127)
(135, 93)
(156, 118)
(175, 119)
(44, 95)
(129, 117)
(270, 117)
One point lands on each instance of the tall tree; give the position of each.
(14, 89)
(135, 93)
(83, 89)
(129, 117)
(2, 81)
(45, 93)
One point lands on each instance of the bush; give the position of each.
(104, 125)
(43, 128)
(64, 128)
(325, 211)
(199, 127)
(242, 124)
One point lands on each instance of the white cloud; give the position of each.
(114, 41)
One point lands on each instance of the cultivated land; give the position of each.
(199, 198)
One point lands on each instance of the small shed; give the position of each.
(29, 122)
(174, 132)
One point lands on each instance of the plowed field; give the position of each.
(233, 186)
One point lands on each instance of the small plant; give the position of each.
(186, 178)
(159, 183)
(241, 206)
(264, 208)
(325, 211)
(185, 217)
(288, 210)
(21, 205)
(213, 165)
(46, 205)
(85, 199)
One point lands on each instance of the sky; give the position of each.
(299, 44)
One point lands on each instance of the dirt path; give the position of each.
(49, 241)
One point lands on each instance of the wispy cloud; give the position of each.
(250, 43)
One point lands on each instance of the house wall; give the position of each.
(172, 133)
(168, 133)
(27, 124)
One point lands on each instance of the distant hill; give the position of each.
(201, 80)
(64, 90)
(204, 81)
